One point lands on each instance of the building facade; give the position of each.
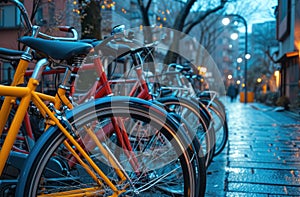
(48, 16)
(288, 35)
(264, 47)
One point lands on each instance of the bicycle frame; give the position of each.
(102, 87)
(61, 99)
(28, 94)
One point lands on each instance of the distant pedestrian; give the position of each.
(236, 91)
(231, 92)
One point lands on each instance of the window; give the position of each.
(6, 72)
(39, 18)
(283, 19)
(9, 16)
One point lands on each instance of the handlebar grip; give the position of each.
(66, 28)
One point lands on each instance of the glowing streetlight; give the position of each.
(247, 56)
(226, 21)
(234, 36)
(259, 80)
(239, 60)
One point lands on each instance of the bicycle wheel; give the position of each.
(217, 103)
(165, 162)
(197, 120)
(220, 124)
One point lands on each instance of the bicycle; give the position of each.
(28, 92)
(184, 84)
(36, 98)
(140, 89)
(107, 90)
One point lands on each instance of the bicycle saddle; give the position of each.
(10, 54)
(58, 50)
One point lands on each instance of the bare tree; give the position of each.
(181, 26)
(263, 39)
(145, 7)
(180, 16)
(48, 14)
(202, 16)
(244, 8)
(90, 14)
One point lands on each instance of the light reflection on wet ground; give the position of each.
(262, 157)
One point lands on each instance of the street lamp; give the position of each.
(239, 60)
(234, 36)
(247, 56)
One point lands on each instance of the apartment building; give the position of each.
(288, 35)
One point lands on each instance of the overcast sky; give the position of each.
(264, 10)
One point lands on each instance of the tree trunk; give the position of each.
(179, 26)
(146, 21)
(91, 21)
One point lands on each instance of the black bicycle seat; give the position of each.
(58, 50)
(10, 54)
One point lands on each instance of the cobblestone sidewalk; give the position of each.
(262, 157)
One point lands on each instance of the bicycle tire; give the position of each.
(218, 104)
(198, 121)
(133, 109)
(221, 125)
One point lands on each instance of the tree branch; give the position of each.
(144, 12)
(148, 5)
(141, 4)
(35, 6)
(179, 22)
(203, 16)
(267, 52)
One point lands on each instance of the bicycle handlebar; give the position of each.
(68, 29)
(29, 25)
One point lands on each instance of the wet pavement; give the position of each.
(262, 157)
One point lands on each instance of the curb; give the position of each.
(261, 107)
(293, 114)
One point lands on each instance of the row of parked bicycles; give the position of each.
(158, 139)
